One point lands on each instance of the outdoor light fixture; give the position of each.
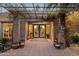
(35, 26)
(76, 12)
(7, 29)
(43, 27)
(71, 12)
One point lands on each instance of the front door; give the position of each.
(39, 31)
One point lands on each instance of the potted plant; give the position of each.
(1, 44)
(22, 43)
(57, 45)
(62, 45)
(6, 44)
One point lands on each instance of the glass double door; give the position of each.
(39, 30)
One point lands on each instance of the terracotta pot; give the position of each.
(15, 46)
(57, 46)
(22, 44)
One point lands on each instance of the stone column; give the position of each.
(16, 32)
(52, 31)
(26, 31)
(61, 27)
(22, 33)
(56, 28)
(61, 38)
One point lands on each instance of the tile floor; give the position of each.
(41, 48)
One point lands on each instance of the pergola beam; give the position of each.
(34, 10)
(52, 9)
(23, 9)
(43, 11)
(41, 7)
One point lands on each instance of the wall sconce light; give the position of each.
(7, 29)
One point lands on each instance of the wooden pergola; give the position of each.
(41, 11)
(37, 10)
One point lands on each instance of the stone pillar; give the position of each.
(61, 38)
(26, 31)
(52, 31)
(61, 28)
(16, 32)
(22, 33)
(56, 28)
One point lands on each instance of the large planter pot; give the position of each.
(62, 45)
(57, 46)
(22, 44)
(15, 46)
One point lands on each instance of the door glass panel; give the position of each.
(42, 30)
(36, 30)
(30, 31)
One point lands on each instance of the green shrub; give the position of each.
(1, 43)
(75, 37)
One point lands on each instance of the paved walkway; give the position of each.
(40, 48)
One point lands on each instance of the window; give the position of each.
(7, 30)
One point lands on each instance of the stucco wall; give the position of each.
(72, 22)
(52, 31)
(26, 30)
(4, 17)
